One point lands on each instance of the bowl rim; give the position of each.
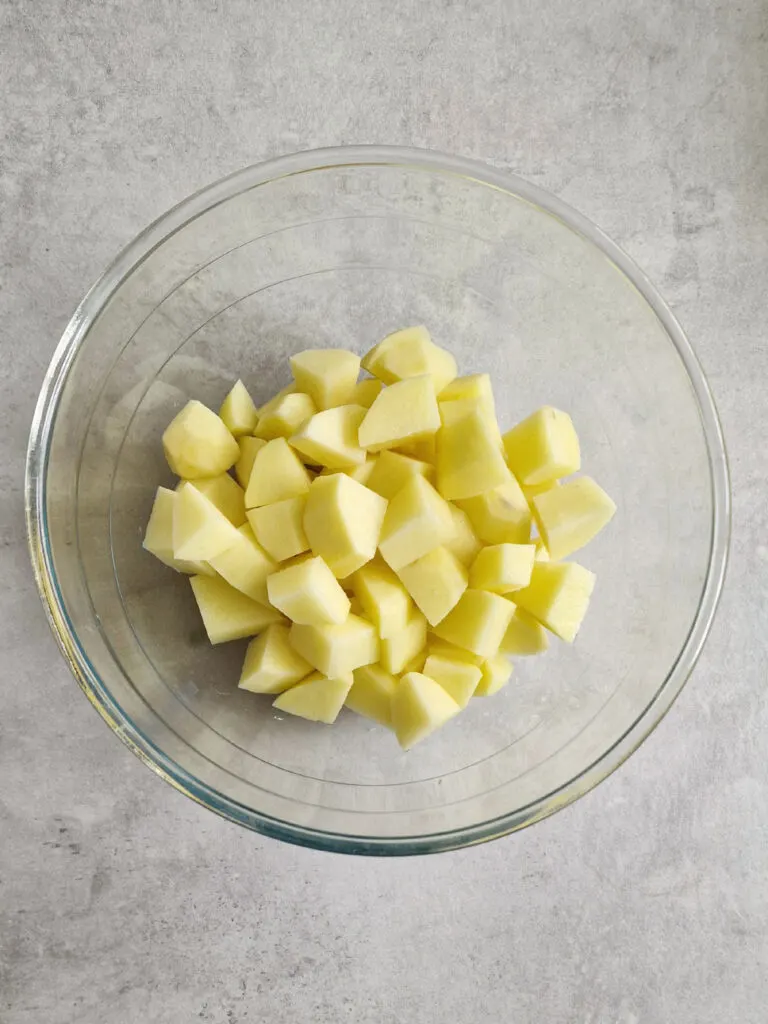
(38, 452)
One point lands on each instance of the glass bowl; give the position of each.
(337, 248)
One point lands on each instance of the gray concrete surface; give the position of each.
(646, 902)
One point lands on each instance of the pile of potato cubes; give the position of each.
(387, 548)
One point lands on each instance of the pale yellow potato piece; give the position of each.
(363, 472)
(542, 554)
(416, 664)
(197, 443)
(328, 375)
(391, 471)
(337, 649)
(543, 447)
(476, 386)
(271, 665)
(278, 473)
(496, 673)
(158, 539)
(410, 353)
(371, 693)
(248, 448)
(317, 698)
(419, 707)
(245, 566)
(275, 400)
(477, 623)
(342, 522)
(558, 596)
(469, 460)
(456, 409)
(503, 568)
(279, 527)
(329, 438)
(383, 598)
(463, 543)
(405, 411)
(200, 530)
(524, 635)
(447, 650)
(531, 492)
(398, 651)
(417, 521)
(568, 517)
(237, 412)
(225, 493)
(457, 677)
(227, 614)
(501, 515)
(308, 593)
(435, 581)
(285, 416)
(366, 391)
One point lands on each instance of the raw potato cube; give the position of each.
(276, 399)
(543, 447)
(279, 527)
(496, 673)
(338, 649)
(458, 678)
(248, 448)
(464, 543)
(419, 707)
(410, 353)
(200, 530)
(342, 522)
(524, 635)
(478, 622)
(197, 443)
(454, 410)
(558, 596)
(500, 516)
(447, 650)
(371, 693)
(317, 698)
(477, 386)
(271, 665)
(391, 472)
(158, 539)
(435, 581)
(503, 568)
(416, 664)
(245, 566)
(568, 517)
(403, 412)
(468, 460)
(228, 614)
(417, 521)
(285, 416)
(366, 391)
(423, 451)
(328, 375)
(308, 593)
(542, 555)
(226, 494)
(531, 492)
(277, 474)
(238, 412)
(329, 438)
(399, 650)
(363, 472)
(383, 598)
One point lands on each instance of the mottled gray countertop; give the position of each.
(644, 903)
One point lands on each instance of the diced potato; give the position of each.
(503, 568)
(399, 650)
(435, 581)
(496, 673)
(476, 386)
(245, 566)
(568, 517)
(279, 527)
(403, 412)
(366, 391)
(417, 521)
(277, 474)
(271, 665)
(197, 443)
(410, 353)
(238, 413)
(477, 623)
(317, 698)
(329, 438)
(287, 415)
(542, 554)
(342, 522)
(248, 448)
(383, 598)
(558, 596)
(531, 492)
(501, 515)
(391, 472)
(308, 593)
(329, 375)
(468, 458)
(464, 543)
(200, 530)
(543, 447)
(416, 664)
(225, 493)
(337, 649)
(419, 707)
(362, 473)
(275, 400)
(458, 678)
(371, 693)
(444, 649)
(458, 408)
(158, 539)
(423, 450)
(228, 614)
(524, 635)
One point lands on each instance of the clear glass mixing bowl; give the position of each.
(337, 248)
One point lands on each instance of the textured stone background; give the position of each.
(645, 903)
